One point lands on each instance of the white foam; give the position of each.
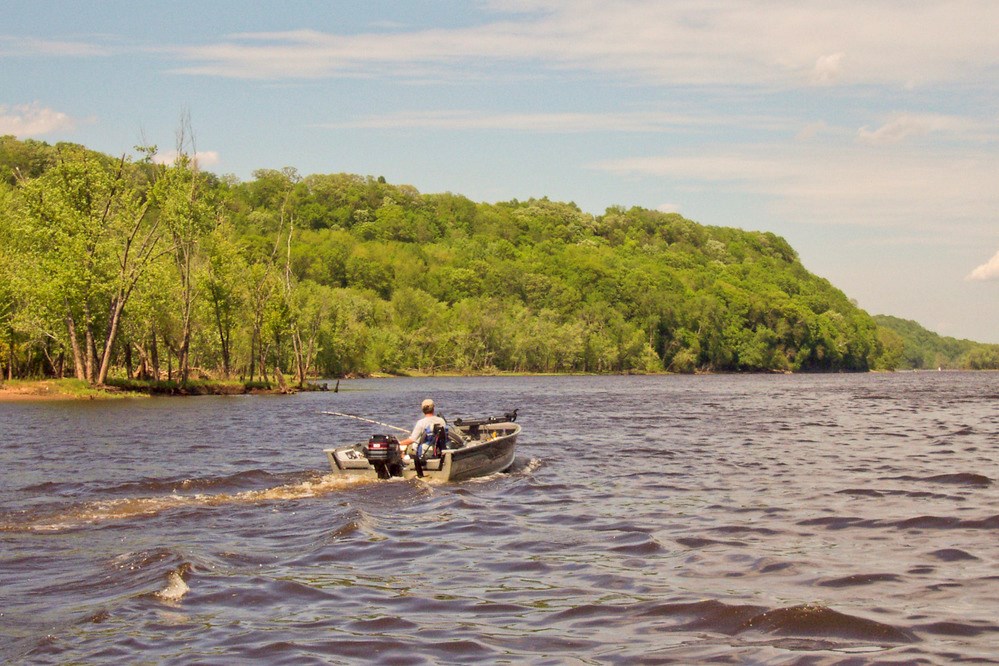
(175, 589)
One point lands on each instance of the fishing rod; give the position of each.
(361, 418)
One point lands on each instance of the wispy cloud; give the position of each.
(908, 125)
(29, 120)
(987, 271)
(553, 122)
(934, 191)
(706, 168)
(202, 158)
(728, 42)
(13, 46)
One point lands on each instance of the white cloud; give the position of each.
(987, 271)
(729, 42)
(203, 158)
(907, 125)
(28, 120)
(827, 69)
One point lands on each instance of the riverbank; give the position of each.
(19, 390)
(74, 389)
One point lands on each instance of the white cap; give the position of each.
(427, 404)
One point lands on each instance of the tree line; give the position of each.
(123, 266)
(916, 348)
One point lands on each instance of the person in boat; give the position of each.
(423, 430)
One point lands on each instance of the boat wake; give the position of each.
(173, 494)
(126, 508)
(520, 467)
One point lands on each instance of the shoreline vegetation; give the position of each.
(44, 390)
(125, 267)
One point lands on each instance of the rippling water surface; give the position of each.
(732, 519)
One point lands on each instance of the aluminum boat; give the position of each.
(468, 448)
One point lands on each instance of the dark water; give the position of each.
(760, 519)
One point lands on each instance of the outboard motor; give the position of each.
(382, 451)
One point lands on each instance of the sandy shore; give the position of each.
(34, 392)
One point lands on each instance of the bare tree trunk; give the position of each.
(307, 347)
(128, 361)
(75, 344)
(296, 344)
(109, 341)
(223, 339)
(94, 357)
(282, 384)
(310, 355)
(253, 351)
(183, 354)
(155, 356)
(47, 352)
(144, 371)
(185, 340)
(88, 332)
(263, 361)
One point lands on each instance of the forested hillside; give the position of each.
(114, 266)
(919, 348)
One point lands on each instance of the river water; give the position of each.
(845, 519)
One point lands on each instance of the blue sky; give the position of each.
(864, 132)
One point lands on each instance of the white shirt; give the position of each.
(426, 423)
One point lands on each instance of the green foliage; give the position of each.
(20, 160)
(81, 240)
(917, 348)
(340, 274)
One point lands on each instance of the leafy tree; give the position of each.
(225, 288)
(8, 260)
(23, 160)
(921, 348)
(87, 228)
(189, 210)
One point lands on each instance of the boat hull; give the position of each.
(489, 458)
(476, 452)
